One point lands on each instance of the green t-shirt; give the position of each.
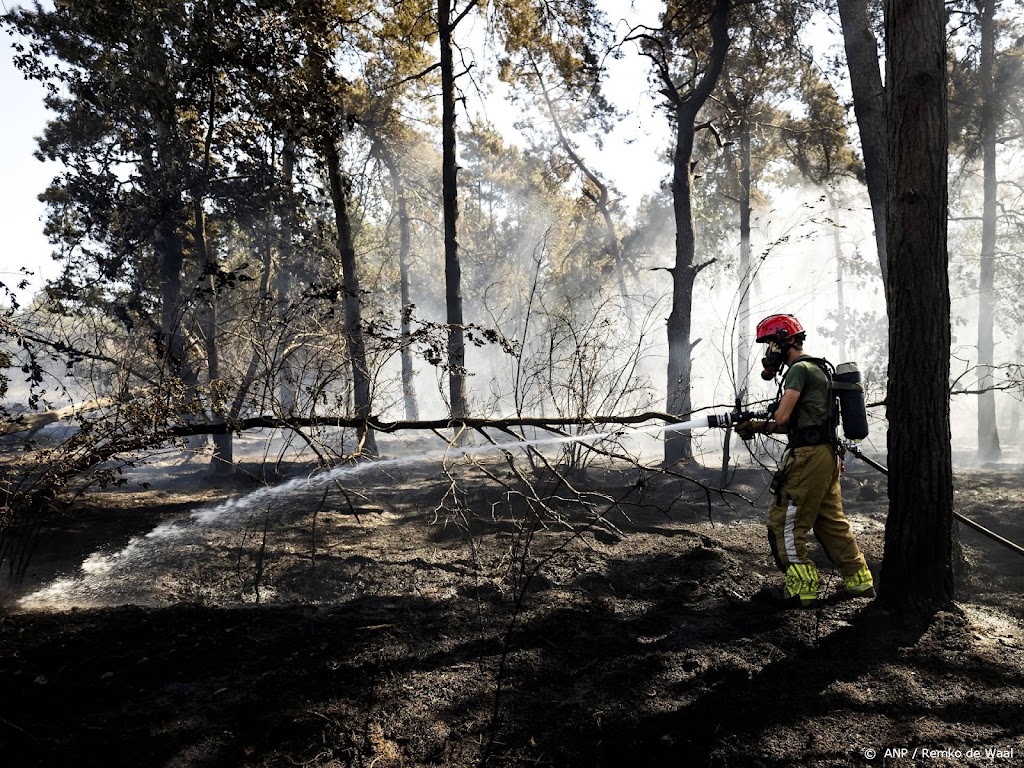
(808, 379)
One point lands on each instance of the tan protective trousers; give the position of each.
(810, 499)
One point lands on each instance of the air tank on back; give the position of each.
(851, 401)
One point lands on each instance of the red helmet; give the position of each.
(780, 329)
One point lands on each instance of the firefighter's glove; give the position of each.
(747, 429)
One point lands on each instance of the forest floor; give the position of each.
(409, 616)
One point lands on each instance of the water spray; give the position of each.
(106, 578)
(320, 479)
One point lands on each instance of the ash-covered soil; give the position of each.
(493, 614)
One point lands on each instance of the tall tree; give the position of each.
(127, 88)
(988, 431)
(917, 576)
(328, 118)
(686, 87)
(448, 19)
(388, 154)
(177, 124)
(399, 73)
(985, 92)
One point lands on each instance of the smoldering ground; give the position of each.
(432, 616)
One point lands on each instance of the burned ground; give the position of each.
(413, 622)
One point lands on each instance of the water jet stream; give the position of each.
(111, 579)
(318, 480)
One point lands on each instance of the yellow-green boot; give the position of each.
(860, 584)
(799, 591)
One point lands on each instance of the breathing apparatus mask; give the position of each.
(773, 361)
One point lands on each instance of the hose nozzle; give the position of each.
(724, 420)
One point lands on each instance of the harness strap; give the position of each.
(819, 435)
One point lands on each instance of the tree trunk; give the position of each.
(404, 246)
(329, 127)
(988, 431)
(412, 411)
(223, 458)
(260, 331)
(289, 373)
(223, 447)
(741, 376)
(361, 381)
(165, 180)
(917, 575)
(450, 200)
(869, 107)
(678, 445)
(743, 310)
(170, 258)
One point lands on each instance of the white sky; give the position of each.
(24, 177)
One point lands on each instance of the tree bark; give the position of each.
(331, 119)
(869, 107)
(165, 179)
(223, 457)
(165, 184)
(289, 372)
(988, 431)
(917, 574)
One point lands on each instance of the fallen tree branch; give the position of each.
(26, 423)
(504, 424)
(36, 421)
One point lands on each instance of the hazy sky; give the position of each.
(24, 176)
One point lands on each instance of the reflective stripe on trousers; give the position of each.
(810, 499)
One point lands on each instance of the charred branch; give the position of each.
(459, 424)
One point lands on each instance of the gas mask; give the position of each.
(773, 361)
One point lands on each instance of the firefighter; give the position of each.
(806, 493)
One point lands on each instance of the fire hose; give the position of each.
(856, 451)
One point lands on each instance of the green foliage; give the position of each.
(818, 143)
(965, 101)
